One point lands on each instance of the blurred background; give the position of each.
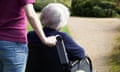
(86, 8)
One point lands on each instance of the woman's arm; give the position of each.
(35, 23)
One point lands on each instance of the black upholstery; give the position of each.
(45, 59)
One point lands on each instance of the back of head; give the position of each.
(54, 15)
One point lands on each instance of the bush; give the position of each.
(117, 9)
(114, 59)
(94, 8)
(38, 7)
(41, 3)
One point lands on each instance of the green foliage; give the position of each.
(115, 57)
(64, 29)
(95, 8)
(41, 3)
(29, 28)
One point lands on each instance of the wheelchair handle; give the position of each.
(59, 38)
(61, 50)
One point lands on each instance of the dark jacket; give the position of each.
(73, 49)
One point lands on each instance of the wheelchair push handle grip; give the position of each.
(61, 50)
(58, 38)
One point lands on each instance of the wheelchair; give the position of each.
(45, 59)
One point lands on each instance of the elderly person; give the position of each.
(53, 17)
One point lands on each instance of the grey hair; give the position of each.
(54, 15)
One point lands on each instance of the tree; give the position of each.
(95, 8)
(41, 3)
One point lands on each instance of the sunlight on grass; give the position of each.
(64, 29)
(29, 28)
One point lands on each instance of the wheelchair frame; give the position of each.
(45, 59)
(64, 59)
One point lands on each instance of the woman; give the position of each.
(13, 38)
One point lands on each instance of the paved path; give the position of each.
(96, 35)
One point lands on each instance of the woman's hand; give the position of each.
(50, 41)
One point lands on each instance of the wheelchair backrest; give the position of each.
(46, 59)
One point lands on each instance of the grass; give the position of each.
(29, 28)
(64, 29)
(115, 57)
